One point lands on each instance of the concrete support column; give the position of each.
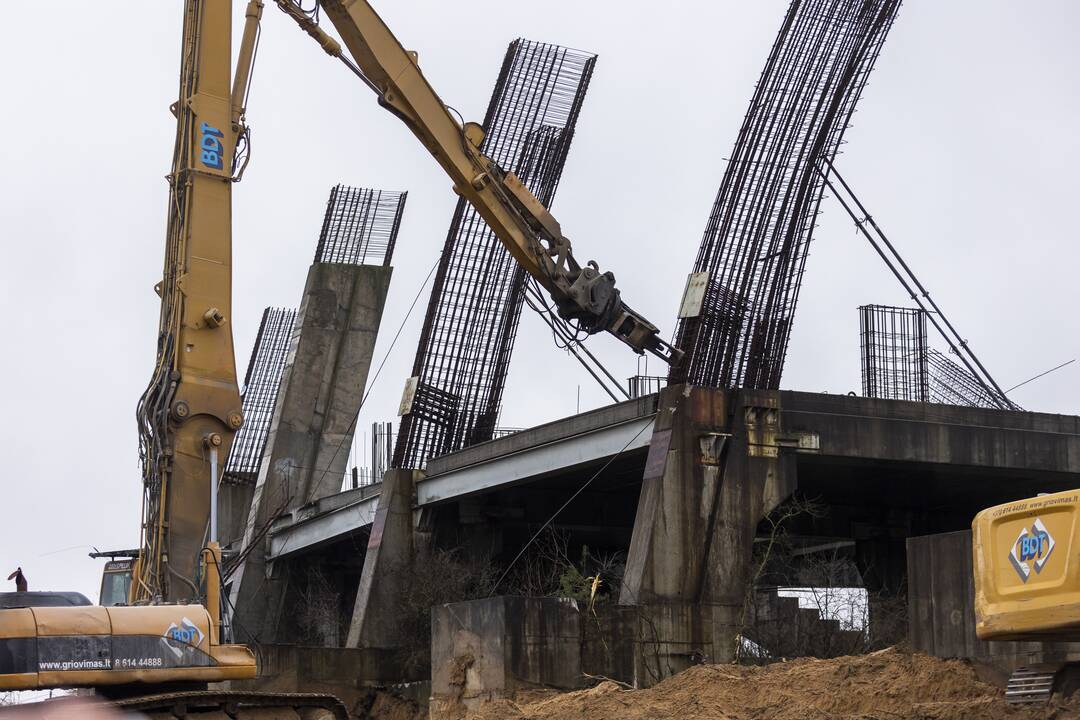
(389, 551)
(758, 475)
(678, 498)
(715, 468)
(307, 447)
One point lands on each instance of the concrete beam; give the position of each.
(322, 523)
(894, 430)
(535, 462)
(554, 431)
(308, 443)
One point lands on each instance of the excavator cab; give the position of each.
(116, 582)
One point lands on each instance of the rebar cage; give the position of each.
(463, 356)
(755, 243)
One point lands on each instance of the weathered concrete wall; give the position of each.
(941, 608)
(311, 431)
(347, 673)
(495, 646)
(483, 648)
(644, 644)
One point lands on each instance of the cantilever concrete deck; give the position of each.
(884, 450)
(523, 457)
(313, 525)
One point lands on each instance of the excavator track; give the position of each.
(231, 705)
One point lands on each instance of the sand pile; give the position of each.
(887, 685)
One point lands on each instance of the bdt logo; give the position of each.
(186, 633)
(1031, 550)
(211, 146)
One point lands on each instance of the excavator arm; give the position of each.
(191, 408)
(529, 232)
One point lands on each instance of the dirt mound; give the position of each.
(887, 685)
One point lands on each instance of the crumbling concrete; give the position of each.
(308, 444)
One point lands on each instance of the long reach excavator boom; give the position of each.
(531, 234)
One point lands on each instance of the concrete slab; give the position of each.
(326, 521)
(533, 463)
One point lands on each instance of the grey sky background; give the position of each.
(964, 148)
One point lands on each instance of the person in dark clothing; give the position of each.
(20, 580)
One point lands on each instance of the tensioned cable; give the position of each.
(564, 506)
(907, 279)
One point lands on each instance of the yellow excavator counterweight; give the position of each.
(1027, 569)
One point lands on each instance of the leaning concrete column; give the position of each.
(676, 507)
(389, 550)
(308, 444)
(715, 468)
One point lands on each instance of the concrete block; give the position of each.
(494, 646)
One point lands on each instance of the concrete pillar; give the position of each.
(234, 502)
(311, 432)
(715, 469)
(389, 551)
(678, 497)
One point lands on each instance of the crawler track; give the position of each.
(236, 706)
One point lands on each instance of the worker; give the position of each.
(19, 578)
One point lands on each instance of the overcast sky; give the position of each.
(964, 147)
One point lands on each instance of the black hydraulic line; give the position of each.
(575, 338)
(572, 347)
(996, 392)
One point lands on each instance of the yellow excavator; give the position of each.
(1027, 583)
(158, 652)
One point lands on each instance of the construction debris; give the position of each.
(892, 683)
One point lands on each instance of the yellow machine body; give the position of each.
(48, 647)
(91, 645)
(1027, 570)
